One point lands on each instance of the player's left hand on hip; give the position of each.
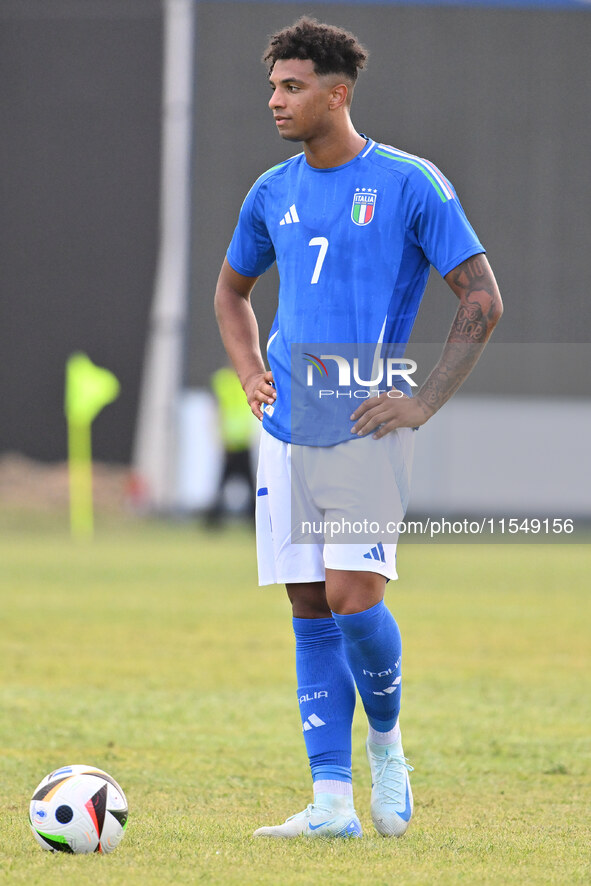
(388, 412)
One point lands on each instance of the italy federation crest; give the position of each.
(364, 206)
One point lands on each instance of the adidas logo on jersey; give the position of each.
(290, 217)
(313, 721)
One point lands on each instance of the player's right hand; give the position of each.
(259, 389)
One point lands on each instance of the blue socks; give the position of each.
(332, 656)
(326, 694)
(373, 649)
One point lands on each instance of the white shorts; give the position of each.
(333, 507)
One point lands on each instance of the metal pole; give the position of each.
(155, 450)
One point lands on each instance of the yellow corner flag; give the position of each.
(89, 388)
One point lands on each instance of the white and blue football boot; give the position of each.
(323, 818)
(391, 796)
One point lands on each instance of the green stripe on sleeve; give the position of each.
(422, 169)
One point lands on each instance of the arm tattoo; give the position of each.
(476, 288)
(477, 314)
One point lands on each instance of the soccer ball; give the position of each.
(78, 809)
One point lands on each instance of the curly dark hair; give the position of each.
(333, 50)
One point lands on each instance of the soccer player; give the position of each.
(354, 227)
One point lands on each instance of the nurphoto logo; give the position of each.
(386, 370)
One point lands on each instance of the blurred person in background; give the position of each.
(237, 428)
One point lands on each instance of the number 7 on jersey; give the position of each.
(322, 242)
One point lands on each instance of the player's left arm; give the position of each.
(479, 310)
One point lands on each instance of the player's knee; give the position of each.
(351, 592)
(308, 600)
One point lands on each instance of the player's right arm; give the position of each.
(240, 335)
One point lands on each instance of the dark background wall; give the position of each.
(80, 86)
(498, 98)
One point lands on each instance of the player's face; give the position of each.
(301, 99)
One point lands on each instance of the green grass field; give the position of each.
(151, 653)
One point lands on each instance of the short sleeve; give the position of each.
(438, 221)
(251, 250)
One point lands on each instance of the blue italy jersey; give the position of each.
(353, 246)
